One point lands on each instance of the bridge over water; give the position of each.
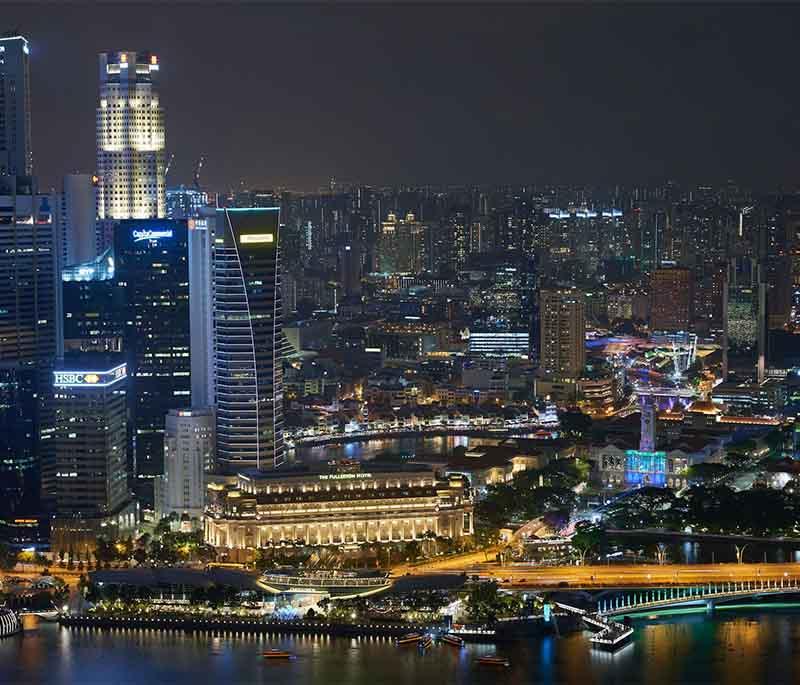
(703, 595)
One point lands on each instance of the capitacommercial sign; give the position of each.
(98, 379)
(140, 234)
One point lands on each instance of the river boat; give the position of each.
(409, 638)
(452, 640)
(277, 654)
(493, 661)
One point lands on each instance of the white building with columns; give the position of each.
(345, 505)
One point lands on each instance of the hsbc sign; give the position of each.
(63, 379)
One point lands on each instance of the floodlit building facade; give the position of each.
(345, 505)
(130, 138)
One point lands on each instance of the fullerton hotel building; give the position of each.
(339, 505)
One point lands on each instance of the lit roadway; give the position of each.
(650, 575)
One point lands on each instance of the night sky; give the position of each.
(294, 94)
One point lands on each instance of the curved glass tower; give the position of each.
(248, 339)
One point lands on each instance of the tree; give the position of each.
(588, 537)
(575, 423)
(140, 555)
(485, 603)
(8, 557)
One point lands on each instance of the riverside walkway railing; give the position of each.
(669, 596)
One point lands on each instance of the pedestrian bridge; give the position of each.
(707, 594)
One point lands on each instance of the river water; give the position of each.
(732, 646)
(367, 449)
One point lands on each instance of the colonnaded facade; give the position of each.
(338, 506)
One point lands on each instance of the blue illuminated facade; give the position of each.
(645, 468)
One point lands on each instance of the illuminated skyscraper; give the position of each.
(130, 138)
(152, 278)
(248, 338)
(28, 332)
(88, 478)
(16, 156)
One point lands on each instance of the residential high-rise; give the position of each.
(29, 332)
(152, 274)
(188, 454)
(16, 155)
(248, 338)
(671, 299)
(88, 479)
(562, 341)
(401, 245)
(130, 138)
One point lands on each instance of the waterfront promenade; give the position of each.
(242, 625)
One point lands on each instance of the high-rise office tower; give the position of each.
(130, 138)
(562, 342)
(16, 155)
(188, 454)
(88, 477)
(76, 213)
(248, 338)
(185, 203)
(152, 271)
(741, 315)
(28, 332)
(671, 299)
(201, 304)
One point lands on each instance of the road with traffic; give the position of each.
(651, 575)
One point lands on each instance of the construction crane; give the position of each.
(169, 164)
(197, 171)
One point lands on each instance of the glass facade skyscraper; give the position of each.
(152, 271)
(16, 156)
(248, 339)
(28, 334)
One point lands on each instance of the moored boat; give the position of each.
(409, 638)
(277, 654)
(425, 642)
(493, 661)
(452, 640)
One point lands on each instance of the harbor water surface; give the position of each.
(731, 646)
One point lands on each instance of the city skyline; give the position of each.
(399, 418)
(531, 95)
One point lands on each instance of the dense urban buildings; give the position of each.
(350, 381)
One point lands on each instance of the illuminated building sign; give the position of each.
(344, 476)
(97, 379)
(255, 238)
(149, 234)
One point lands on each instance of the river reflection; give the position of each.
(730, 646)
(371, 448)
